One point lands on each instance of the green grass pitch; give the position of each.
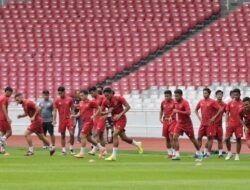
(150, 171)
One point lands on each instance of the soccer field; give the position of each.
(131, 171)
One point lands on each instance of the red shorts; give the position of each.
(66, 124)
(219, 133)
(4, 126)
(237, 130)
(36, 126)
(99, 124)
(168, 129)
(207, 130)
(248, 135)
(87, 127)
(121, 123)
(188, 130)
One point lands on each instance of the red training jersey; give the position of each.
(4, 100)
(116, 103)
(87, 109)
(245, 115)
(209, 108)
(29, 108)
(233, 107)
(99, 99)
(167, 108)
(218, 120)
(64, 106)
(183, 114)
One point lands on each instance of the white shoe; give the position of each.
(237, 157)
(229, 156)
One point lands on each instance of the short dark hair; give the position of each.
(246, 99)
(92, 89)
(18, 94)
(231, 92)
(178, 91)
(46, 92)
(108, 90)
(84, 92)
(236, 90)
(168, 92)
(207, 90)
(61, 89)
(218, 91)
(8, 88)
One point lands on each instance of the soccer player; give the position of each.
(99, 120)
(5, 121)
(168, 119)
(87, 108)
(183, 124)
(33, 111)
(218, 124)
(115, 104)
(210, 110)
(245, 118)
(65, 106)
(47, 114)
(76, 110)
(233, 124)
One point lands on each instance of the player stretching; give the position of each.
(5, 121)
(115, 104)
(183, 124)
(245, 118)
(99, 120)
(233, 124)
(210, 110)
(33, 111)
(87, 108)
(168, 119)
(65, 106)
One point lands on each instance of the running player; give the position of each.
(87, 108)
(168, 119)
(210, 110)
(65, 106)
(5, 121)
(245, 118)
(99, 120)
(47, 108)
(183, 124)
(115, 104)
(33, 111)
(233, 124)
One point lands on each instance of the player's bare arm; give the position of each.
(216, 115)
(161, 115)
(37, 110)
(75, 115)
(22, 115)
(54, 114)
(197, 114)
(6, 114)
(127, 108)
(226, 118)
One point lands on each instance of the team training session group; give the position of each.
(91, 115)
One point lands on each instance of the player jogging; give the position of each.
(183, 124)
(5, 121)
(115, 104)
(65, 106)
(87, 108)
(36, 126)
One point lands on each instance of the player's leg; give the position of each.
(79, 123)
(83, 146)
(51, 133)
(63, 143)
(201, 134)
(71, 129)
(238, 134)
(115, 145)
(45, 130)
(219, 137)
(209, 146)
(190, 133)
(2, 142)
(176, 146)
(45, 141)
(27, 135)
(129, 140)
(229, 132)
(166, 134)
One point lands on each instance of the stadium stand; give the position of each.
(219, 55)
(45, 43)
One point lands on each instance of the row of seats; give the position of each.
(220, 53)
(80, 43)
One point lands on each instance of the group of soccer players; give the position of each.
(175, 117)
(93, 114)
